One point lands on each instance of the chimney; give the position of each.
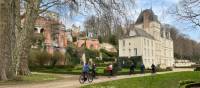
(146, 20)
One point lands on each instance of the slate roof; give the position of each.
(152, 16)
(137, 32)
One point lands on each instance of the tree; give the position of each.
(34, 7)
(7, 30)
(188, 11)
(184, 47)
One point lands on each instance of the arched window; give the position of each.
(35, 30)
(42, 30)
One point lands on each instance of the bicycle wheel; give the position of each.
(90, 78)
(81, 79)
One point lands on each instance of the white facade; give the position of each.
(149, 41)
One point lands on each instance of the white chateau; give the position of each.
(149, 40)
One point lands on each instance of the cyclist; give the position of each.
(86, 69)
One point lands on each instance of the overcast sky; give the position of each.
(160, 8)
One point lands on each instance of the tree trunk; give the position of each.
(32, 9)
(6, 28)
(17, 38)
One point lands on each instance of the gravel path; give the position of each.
(71, 81)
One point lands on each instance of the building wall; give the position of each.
(90, 43)
(130, 47)
(158, 51)
(61, 38)
(152, 51)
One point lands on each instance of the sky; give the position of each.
(160, 8)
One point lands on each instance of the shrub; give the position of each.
(184, 82)
(58, 58)
(108, 59)
(72, 55)
(197, 69)
(32, 57)
(169, 68)
(105, 53)
(116, 67)
(43, 58)
(38, 57)
(91, 53)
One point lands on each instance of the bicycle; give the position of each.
(88, 77)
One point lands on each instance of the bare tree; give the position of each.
(34, 7)
(188, 11)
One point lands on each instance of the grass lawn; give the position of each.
(76, 70)
(73, 70)
(33, 78)
(170, 80)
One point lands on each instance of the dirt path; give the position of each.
(71, 81)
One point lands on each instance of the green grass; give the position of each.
(33, 78)
(170, 80)
(76, 70)
(66, 70)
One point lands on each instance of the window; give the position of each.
(144, 42)
(135, 51)
(42, 30)
(123, 42)
(129, 50)
(35, 30)
(129, 43)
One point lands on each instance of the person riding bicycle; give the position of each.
(86, 69)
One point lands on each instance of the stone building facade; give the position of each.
(88, 43)
(149, 40)
(55, 35)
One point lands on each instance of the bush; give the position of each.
(38, 57)
(169, 68)
(111, 59)
(72, 55)
(184, 82)
(58, 58)
(197, 69)
(43, 58)
(116, 67)
(91, 53)
(105, 53)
